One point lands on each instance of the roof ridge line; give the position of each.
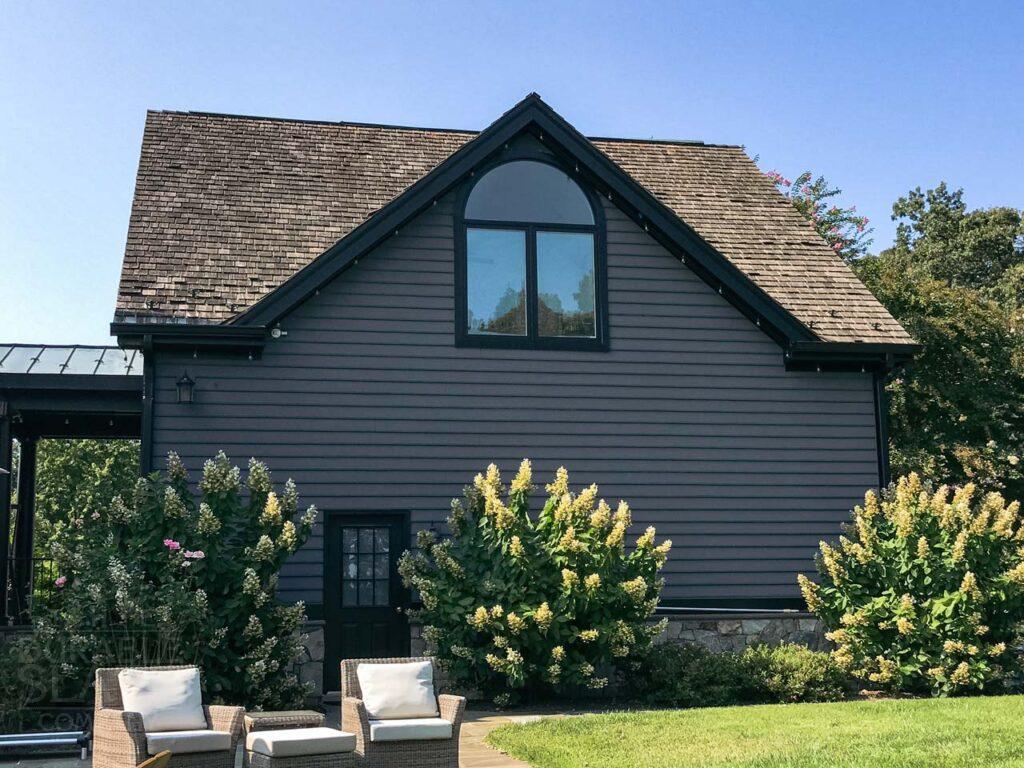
(467, 131)
(236, 116)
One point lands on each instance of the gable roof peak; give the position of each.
(352, 184)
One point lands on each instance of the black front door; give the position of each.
(364, 601)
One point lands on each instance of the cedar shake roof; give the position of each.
(227, 208)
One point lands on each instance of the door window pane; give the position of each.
(350, 594)
(350, 539)
(366, 567)
(366, 593)
(565, 284)
(366, 540)
(496, 282)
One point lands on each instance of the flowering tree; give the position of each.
(926, 590)
(843, 229)
(164, 577)
(518, 604)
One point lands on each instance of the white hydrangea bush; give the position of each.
(519, 606)
(925, 591)
(171, 576)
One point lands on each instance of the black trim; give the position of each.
(531, 340)
(847, 356)
(56, 382)
(148, 389)
(881, 399)
(595, 169)
(248, 339)
(6, 478)
(747, 604)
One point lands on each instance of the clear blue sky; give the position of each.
(878, 96)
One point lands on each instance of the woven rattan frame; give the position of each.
(275, 721)
(422, 753)
(339, 760)
(119, 737)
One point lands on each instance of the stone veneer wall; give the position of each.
(724, 632)
(310, 667)
(717, 632)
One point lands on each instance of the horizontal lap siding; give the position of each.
(691, 416)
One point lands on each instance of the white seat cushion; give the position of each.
(181, 742)
(294, 742)
(398, 691)
(167, 699)
(410, 729)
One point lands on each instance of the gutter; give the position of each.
(249, 339)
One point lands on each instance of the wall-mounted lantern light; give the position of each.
(186, 389)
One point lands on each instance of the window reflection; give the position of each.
(565, 284)
(496, 281)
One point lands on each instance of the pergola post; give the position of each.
(6, 456)
(24, 531)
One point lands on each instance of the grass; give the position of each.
(938, 733)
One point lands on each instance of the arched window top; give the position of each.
(529, 191)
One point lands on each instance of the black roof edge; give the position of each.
(133, 335)
(849, 356)
(608, 177)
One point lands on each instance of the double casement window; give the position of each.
(531, 261)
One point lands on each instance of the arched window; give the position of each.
(531, 258)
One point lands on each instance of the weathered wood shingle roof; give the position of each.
(227, 208)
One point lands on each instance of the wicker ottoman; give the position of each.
(300, 748)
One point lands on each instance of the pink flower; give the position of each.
(171, 544)
(60, 581)
(95, 515)
(194, 554)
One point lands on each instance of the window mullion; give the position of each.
(532, 312)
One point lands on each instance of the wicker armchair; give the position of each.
(119, 738)
(425, 753)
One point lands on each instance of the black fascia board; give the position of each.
(849, 356)
(245, 338)
(532, 113)
(70, 382)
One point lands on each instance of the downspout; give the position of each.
(880, 379)
(148, 388)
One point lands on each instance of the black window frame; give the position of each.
(532, 339)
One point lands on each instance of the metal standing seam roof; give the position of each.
(73, 359)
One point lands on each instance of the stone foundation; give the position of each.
(716, 632)
(310, 667)
(720, 632)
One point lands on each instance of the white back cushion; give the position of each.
(167, 699)
(397, 691)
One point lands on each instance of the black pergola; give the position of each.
(52, 392)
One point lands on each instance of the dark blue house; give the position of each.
(381, 311)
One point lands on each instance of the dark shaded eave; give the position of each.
(535, 116)
(250, 338)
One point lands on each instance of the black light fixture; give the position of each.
(186, 389)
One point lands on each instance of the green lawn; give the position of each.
(944, 733)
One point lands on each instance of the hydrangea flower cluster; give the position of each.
(187, 580)
(517, 604)
(925, 591)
